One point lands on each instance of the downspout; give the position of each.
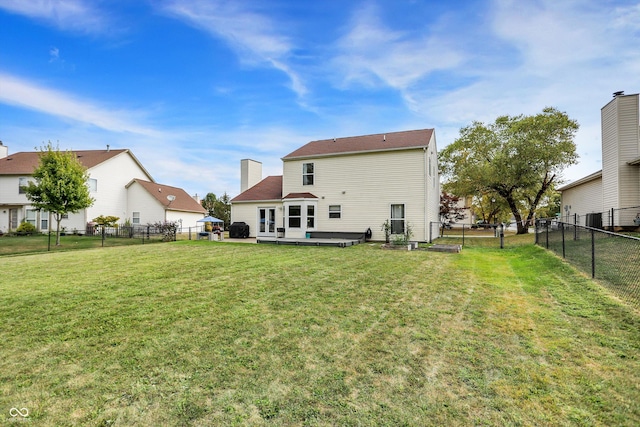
(426, 186)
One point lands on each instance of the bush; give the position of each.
(26, 227)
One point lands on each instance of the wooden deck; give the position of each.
(342, 243)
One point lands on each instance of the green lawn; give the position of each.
(204, 333)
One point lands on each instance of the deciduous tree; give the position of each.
(519, 158)
(60, 185)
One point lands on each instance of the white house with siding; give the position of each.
(346, 185)
(112, 174)
(617, 185)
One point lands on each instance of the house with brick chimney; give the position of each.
(346, 185)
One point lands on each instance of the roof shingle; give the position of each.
(365, 143)
(24, 162)
(182, 201)
(269, 188)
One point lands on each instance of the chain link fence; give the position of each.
(611, 258)
(487, 235)
(612, 219)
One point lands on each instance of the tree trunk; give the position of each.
(521, 225)
(58, 218)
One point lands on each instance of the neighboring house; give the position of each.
(346, 185)
(617, 186)
(162, 203)
(112, 174)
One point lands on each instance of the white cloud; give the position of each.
(252, 36)
(76, 15)
(372, 54)
(26, 94)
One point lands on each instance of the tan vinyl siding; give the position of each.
(583, 199)
(620, 144)
(628, 137)
(248, 213)
(610, 154)
(365, 186)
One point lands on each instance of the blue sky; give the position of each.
(194, 86)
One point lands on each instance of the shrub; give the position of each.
(26, 227)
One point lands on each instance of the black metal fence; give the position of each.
(491, 234)
(611, 219)
(611, 258)
(142, 232)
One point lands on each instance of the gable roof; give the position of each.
(366, 143)
(269, 188)
(182, 202)
(588, 178)
(24, 162)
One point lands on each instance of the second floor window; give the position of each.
(22, 184)
(93, 185)
(307, 174)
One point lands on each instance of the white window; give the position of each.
(397, 219)
(31, 217)
(311, 216)
(307, 174)
(44, 220)
(93, 185)
(295, 216)
(135, 218)
(335, 211)
(22, 184)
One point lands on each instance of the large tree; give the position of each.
(518, 158)
(60, 185)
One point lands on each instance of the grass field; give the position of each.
(204, 333)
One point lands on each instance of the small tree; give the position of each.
(60, 185)
(168, 230)
(106, 221)
(450, 210)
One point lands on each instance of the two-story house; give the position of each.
(346, 185)
(118, 182)
(616, 188)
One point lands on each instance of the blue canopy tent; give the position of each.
(217, 232)
(210, 219)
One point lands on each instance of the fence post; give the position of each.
(593, 254)
(561, 224)
(546, 228)
(103, 227)
(463, 235)
(612, 222)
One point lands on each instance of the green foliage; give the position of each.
(518, 158)
(386, 227)
(168, 230)
(26, 227)
(60, 185)
(218, 207)
(450, 209)
(107, 221)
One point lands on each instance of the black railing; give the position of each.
(611, 258)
